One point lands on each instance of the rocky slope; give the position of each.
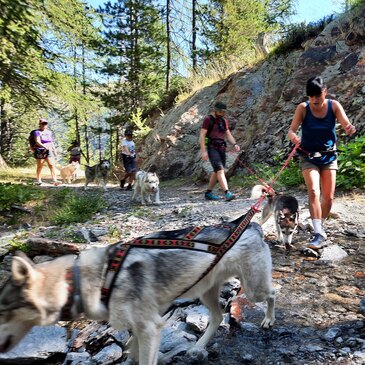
(262, 100)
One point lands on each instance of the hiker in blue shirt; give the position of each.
(317, 118)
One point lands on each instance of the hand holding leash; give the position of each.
(350, 129)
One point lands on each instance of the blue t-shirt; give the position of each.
(319, 134)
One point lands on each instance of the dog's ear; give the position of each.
(21, 269)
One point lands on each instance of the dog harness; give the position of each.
(73, 281)
(216, 240)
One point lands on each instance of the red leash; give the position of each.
(268, 186)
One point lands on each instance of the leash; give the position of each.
(270, 185)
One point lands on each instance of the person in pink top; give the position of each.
(45, 151)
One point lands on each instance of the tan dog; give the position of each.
(69, 173)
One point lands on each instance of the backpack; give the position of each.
(210, 127)
(31, 139)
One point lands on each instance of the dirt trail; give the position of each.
(318, 319)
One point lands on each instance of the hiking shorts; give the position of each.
(41, 153)
(217, 158)
(305, 164)
(129, 163)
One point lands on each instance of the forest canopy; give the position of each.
(92, 72)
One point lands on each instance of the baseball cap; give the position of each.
(43, 121)
(128, 132)
(220, 106)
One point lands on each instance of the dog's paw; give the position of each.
(197, 354)
(267, 323)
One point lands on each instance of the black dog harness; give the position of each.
(216, 240)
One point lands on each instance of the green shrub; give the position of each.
(299, 33)
(291, 175)
(351, 164)
(11, 194)
(74, 207)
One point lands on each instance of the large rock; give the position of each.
(261, 102)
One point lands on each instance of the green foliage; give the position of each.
(11, 194)
(290, 176)
(19, 245)
(299, 33)
(231, 28)
(74, 207)
(140, 128)
(134, 41)
(351, 163)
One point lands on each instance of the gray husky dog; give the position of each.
(138, 295)
(99, 172)
(147, 183)
(285, 209)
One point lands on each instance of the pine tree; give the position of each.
(134, 50)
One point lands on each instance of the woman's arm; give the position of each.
(298, 118)
(342, 118)
(39, 143)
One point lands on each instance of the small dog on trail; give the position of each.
(147, 183)
(286, 213)
(131, 284)
(97, 173)
(69, 173)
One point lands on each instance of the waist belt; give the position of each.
(219, 143)
(317, 154)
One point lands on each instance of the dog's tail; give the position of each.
(259, 190)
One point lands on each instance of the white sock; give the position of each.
(317, 226)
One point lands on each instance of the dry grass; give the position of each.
(19, 174)
(215, 71)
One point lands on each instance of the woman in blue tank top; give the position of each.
(317, 118)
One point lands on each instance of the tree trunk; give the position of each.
(193, 46)
(168, 46)
(3, 164)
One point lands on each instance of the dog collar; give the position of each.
(73, 306)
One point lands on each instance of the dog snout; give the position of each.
(6, 344)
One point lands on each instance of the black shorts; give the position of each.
(217, 158)
(129, 163)
(42, 153)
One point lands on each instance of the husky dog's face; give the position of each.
(105, 165)
(287, 222)
(151, 182)
(19, 310)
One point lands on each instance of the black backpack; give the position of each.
(31, 139)
(210, 127)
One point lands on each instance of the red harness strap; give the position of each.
(121, 250)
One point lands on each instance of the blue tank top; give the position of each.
(319, 134)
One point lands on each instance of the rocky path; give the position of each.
(318, 299)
